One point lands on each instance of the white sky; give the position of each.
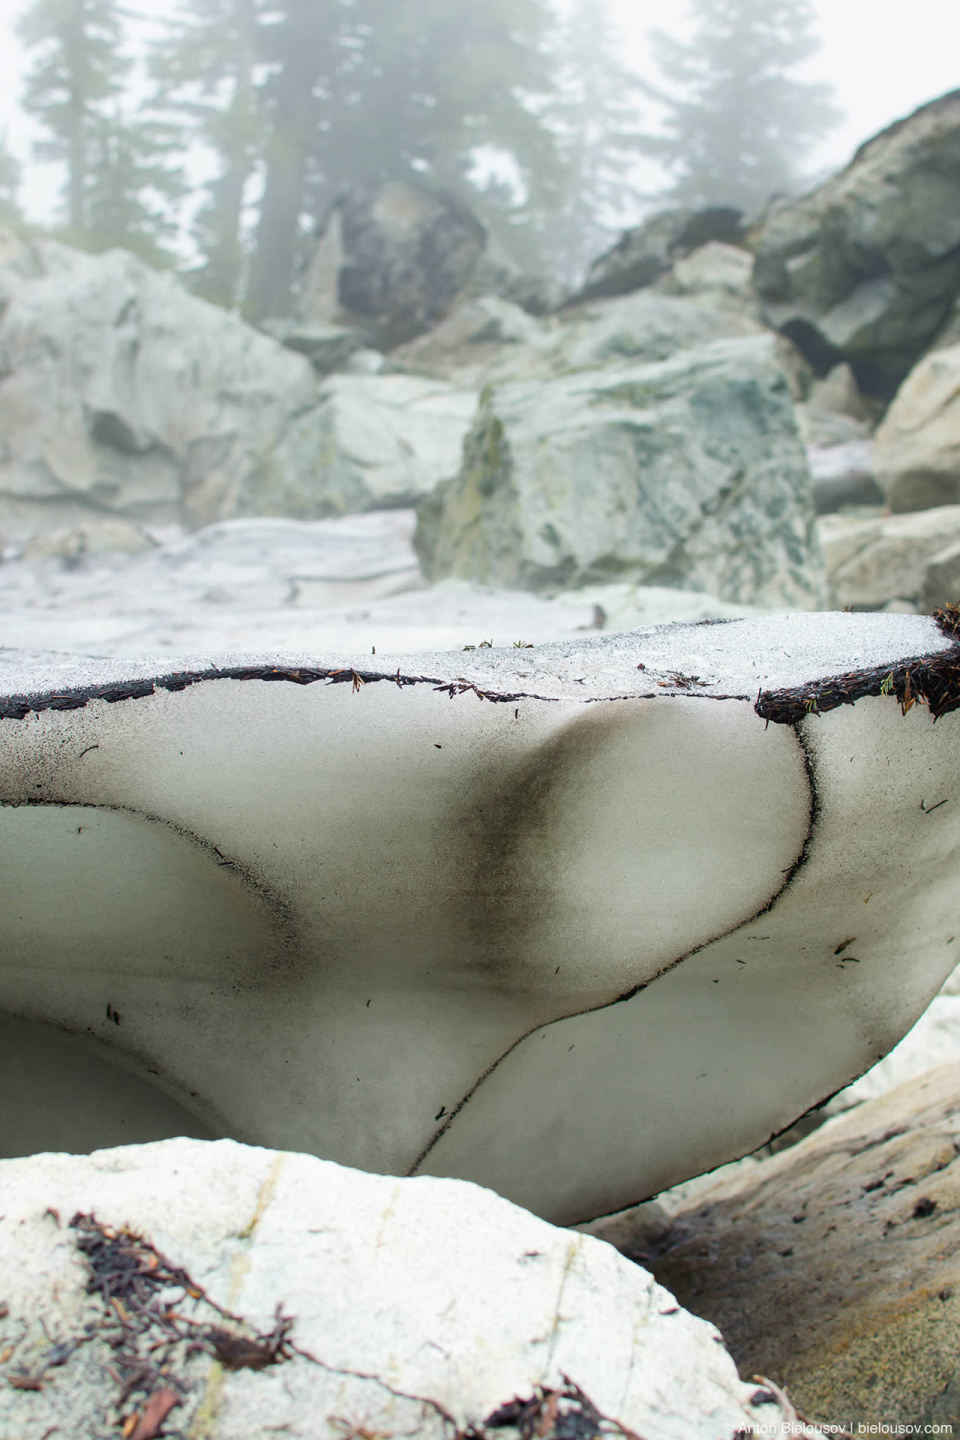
(883, 59)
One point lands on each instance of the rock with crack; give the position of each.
(540, 918)
(247, 1293)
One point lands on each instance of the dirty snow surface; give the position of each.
(290, 586)
(350, 590)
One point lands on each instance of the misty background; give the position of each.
(212, 136)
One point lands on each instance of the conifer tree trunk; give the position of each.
(77, 110)
(294, 121)
(226, 257)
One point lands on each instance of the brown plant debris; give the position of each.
(931, 680)
(18, 707)
(156, 1410)
(679, 681)
(551, 1414)
(144, 1296)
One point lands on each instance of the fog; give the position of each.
(881, 64)
(882, 60)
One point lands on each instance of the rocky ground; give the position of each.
(833, 1264)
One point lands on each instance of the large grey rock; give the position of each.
(544, 918)
(689, 473)
(372, 442)
(391, 260)
(918, 442)
(124, 394)
(646, 252)
(866, 268)
(415, 1307)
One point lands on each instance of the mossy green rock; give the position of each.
(688, 473)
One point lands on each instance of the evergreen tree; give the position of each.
(430, 81)
(302, 45)
(132, 190)
(737, 125)
(448, 81)
(78, 68)
(204, 70)
(597, 122)
(369, 90)
(119, 183)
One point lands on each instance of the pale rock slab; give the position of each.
(885, 559)
(126, 395)
(489, 340)
(372, 442)
(487, 319)
(483, 337)
(918, 443)
(417, 1305)
(717, 274)
(451, 913)
(644, 326)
